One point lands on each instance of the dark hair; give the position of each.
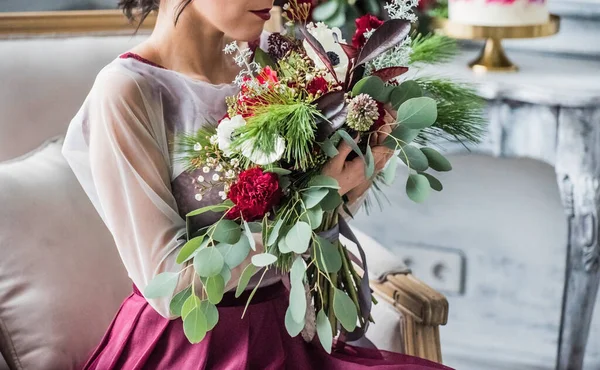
(142, 8)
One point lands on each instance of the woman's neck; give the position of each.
(192, 47)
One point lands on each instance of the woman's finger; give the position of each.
(383, 133)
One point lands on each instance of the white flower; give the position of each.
(336, 54)
(200, 178)
(205, 169)
(261, 158)
(197, 147)
(214, 139)
(225, 132)
(235, 162)
(223, 195)
(198, 197)
(219, 168)
(216, 177)
(230, 174)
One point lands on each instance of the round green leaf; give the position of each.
(189, 304)
(215, 288)
(314, 217)
(274, 234)
(418, 113)
(255, 227)
(345, 310)
(189, 248)
(208, 262)
(370, 162)
(263, 259)
(297, 272)
(389, 172)
(331, 201)
(212, 314)
(177, 301)
(279, 171)
(406, 91)
(297, 301)
(283, 247)
(249, 236)
(227, 231)
(325, 10)
(436, 160)
(298, 238)
(403, 136)
(327, 256)
(414, 158)
(417, 188)
(245, 279)
(293, 328)
(235, 254)
(324, 331)
(322, 181)
(313, 197)
(433, 182)
(195, 326)
(372, 86)
(162, 285)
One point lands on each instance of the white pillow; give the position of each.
(61, 279)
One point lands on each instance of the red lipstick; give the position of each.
(264, 14)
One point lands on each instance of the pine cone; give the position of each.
(279, 46)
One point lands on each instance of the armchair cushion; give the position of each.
(61, 279)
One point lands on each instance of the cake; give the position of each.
(498, 12)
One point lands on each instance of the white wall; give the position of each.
(506, 218)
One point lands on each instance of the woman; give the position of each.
(121, 149)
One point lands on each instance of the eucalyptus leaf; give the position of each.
(414, 158)
(255, 227)
(263, 59)
(226, 274)
(162, 285)
(332, 201)
(372, 86)
(298, 237)
(417, 188)
(418, 113)
(339, 18)
(370, 161)
(263, 259)
(436, 160)
(249, 236)
(245, 277)
(298, 301)
(227, 231)
(405, 91)
(208, 262)
(313, 197)
(279, 171)
(327, 256)
(298, 270)
(293, 328)
(402, 135)
(345, 310)
(324, 331)
(434, 183)
(212, 314)
(314, 216)
(214, 208)
(189, 248)
(215, 288)
(235, 254)
(328, 148)
(350, 141)
(388, 35)
(195, 326)
(283, 247)
(322, 181)
(189, 304)
(274, 234)
(389, 172)
(325, 10)
(177, 301)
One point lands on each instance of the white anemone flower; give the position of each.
(261, 158)
(337, 56)
(225, 132)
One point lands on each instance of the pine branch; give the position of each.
(432, 49)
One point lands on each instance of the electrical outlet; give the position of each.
(441, 268)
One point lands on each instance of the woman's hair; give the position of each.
(142, 8)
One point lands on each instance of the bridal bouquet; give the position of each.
(309, 91)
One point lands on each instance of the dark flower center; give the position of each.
(334, 58)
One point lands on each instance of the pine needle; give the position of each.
(460, 110)
(432, 49)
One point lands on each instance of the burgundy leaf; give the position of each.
(388, 35)
(387, 74)
(327, 127)
(350, 50)
(331, 103)
(318, 48)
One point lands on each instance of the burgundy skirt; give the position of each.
(139, 338)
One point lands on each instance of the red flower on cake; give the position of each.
(363, 24)
(254, 194)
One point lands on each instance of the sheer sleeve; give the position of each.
(124, 167)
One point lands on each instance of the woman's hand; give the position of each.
(351, 174)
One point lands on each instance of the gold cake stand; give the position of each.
(492, 57)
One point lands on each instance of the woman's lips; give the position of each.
(264, 14)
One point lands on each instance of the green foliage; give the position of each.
(226, 231)
(293, 328)
(245, 279)
(186, 142)
(432, 49)
(345, 310)
(177, 301)
(215, 288)
(208, 262)
(417, 188)
(263, 259)
(162, 285)
(418, 113)
(459, 109)
(324, 331)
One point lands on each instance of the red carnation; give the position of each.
(363, 24)
(317, 85)
(254, 194)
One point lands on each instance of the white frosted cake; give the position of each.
(498, 12)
